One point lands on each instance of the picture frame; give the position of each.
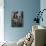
(17, 19)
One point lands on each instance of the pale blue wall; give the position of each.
(29, 7)
(43, 6)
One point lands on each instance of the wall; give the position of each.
(29, 7)
(43, 6)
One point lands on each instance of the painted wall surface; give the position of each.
(29, 7)
(43, 6)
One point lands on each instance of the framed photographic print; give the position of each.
(17, 19)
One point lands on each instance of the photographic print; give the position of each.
(17, 19)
